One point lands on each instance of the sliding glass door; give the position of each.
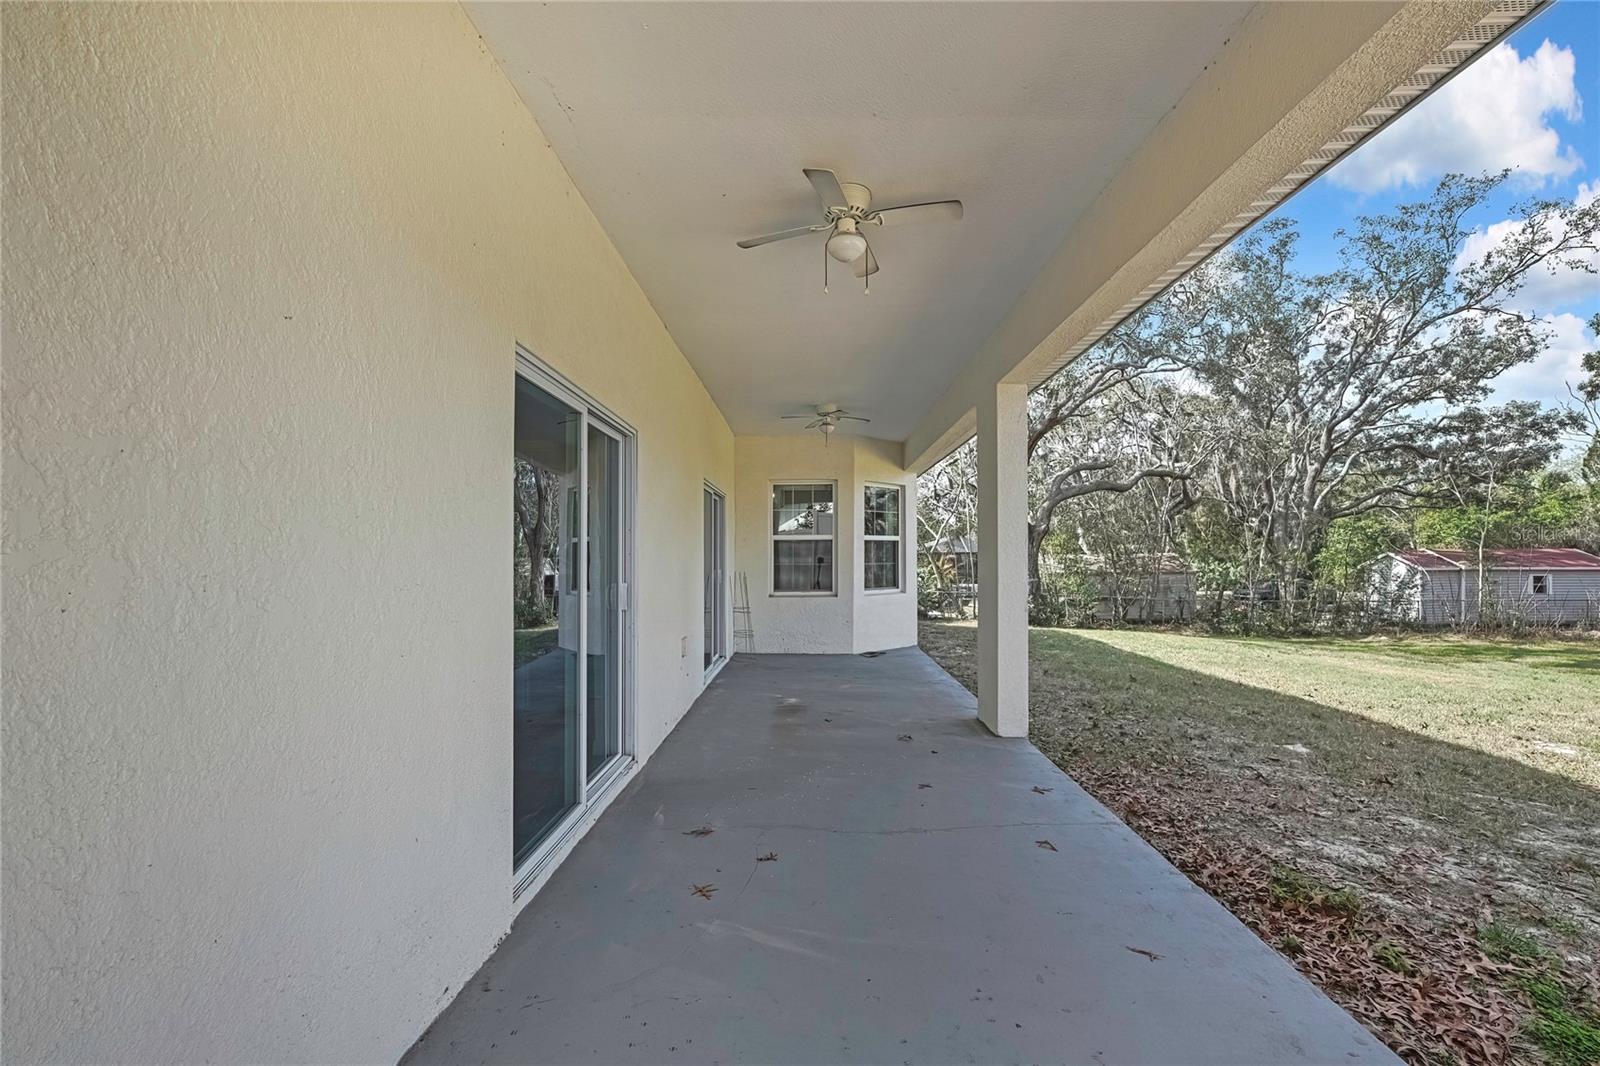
(570, 591)
(715, 584)
(545, 651)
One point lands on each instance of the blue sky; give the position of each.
(1532, 103)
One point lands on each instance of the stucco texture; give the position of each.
(265, 268)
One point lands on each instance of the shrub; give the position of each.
(532, 615)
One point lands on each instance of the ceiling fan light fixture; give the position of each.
(847, 247)
(846, 207)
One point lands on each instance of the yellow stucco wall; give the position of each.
(264, 271)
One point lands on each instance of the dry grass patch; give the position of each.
(528, 644)
(1368, 806)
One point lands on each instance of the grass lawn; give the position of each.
(1534, 704)
(1391, 813)
(528, 644)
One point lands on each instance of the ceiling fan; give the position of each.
(846, 210)
(827, 417)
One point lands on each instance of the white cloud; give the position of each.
(1547, 288)
(1547, 377)
(1490, 116)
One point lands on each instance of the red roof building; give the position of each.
(1499, 559)
(1442, 586)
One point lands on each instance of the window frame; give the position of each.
(898, 539)
(724, 628)
(595, 791)
(1533, 580)
(575, 530)
(774, 538)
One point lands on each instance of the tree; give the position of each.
(1550, 507)
(1349, 547)
(1254, 405)
(1587, 396)
(1106, 424)
(947, 508)
(1482, 454)
(1343, 391)
(536, 503)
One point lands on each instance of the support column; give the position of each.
(1003, 560)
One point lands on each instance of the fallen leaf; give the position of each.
(1152, 956)
(1046, 845)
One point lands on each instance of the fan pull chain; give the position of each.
(824, 269)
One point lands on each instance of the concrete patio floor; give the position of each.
(911, 912)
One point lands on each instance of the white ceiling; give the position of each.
(685, 126)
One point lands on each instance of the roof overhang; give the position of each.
(1300, 85)
(1101, 150)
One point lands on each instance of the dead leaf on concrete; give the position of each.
(1046, 845)
(1152, 956)
(1232, 802)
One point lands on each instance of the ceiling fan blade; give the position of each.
(937, 211)
(814, 425)
(865, 264)
(827, 186)
(856, 418)
(797, 416)
(783, 235)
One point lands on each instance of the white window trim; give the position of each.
(773, 537)
(569, 521)
(1547, 584)
(899, 538)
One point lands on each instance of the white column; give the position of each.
(1003, 561)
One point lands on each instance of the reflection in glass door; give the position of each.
(570, 567)
(606, 600)
(715, 584)
(545, 671)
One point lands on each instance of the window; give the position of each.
(1539, 584)
(802, 539)
(880, 526)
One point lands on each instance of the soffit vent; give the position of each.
(1490, 29)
